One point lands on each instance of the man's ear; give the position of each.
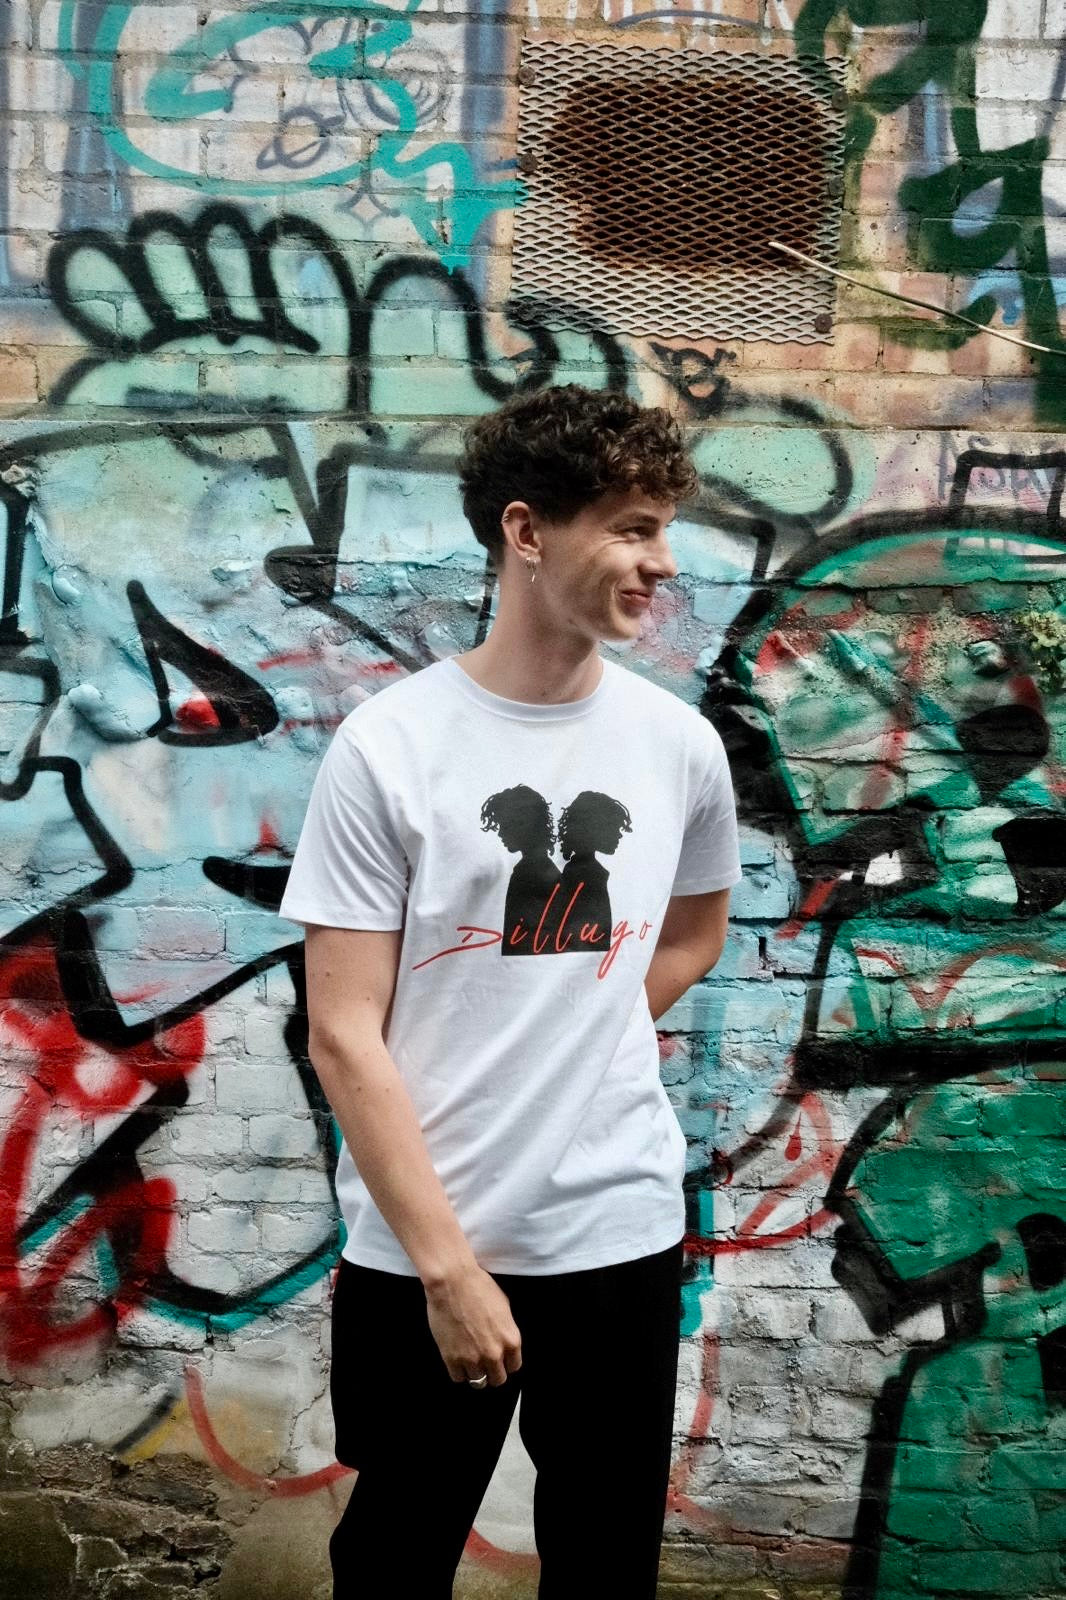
(520, 532)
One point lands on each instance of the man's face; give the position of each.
(601, 569)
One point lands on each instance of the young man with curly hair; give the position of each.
(511, 1173)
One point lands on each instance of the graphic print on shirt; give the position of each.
(549, 911)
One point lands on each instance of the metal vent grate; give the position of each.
(656, 178)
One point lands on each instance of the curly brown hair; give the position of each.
(561, 448)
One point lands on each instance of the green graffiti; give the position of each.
(966, 1185)
(1015, 235)
(934, 722)
(907, 710)
(448, 222)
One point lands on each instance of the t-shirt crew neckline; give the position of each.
(522, 710)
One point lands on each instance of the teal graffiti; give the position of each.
(448, 223)
(283, 1289)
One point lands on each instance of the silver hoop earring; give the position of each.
(532, 565)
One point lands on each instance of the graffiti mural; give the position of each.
(344, 91)
(898, 699)
(257, 259)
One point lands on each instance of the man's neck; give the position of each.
(517, 665)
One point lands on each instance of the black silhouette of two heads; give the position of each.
(523, 819)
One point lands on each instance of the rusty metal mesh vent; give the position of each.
(656, 178)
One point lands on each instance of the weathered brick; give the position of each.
(180, 930)
(37, 83)
(158, 1583)
(18, 378)
(99, 1555)
(156, 29)
(290, 1233)
(253, 1089)
(195, 1134)
(276, 1185)
(283, 1137)
(1014, 72)
(39, 1557)
(989, 1572)
(224, 1228)
(1011, 20)
(173, 1482)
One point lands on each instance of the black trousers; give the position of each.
(599, 1368)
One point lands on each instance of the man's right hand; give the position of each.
(470, 1318)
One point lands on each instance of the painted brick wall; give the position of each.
(255, 270)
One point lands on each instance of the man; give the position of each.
(511, 1170)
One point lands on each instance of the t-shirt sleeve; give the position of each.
(349, 870)
(710, 853)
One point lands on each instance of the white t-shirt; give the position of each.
(528, 852)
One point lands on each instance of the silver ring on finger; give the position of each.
(479, 1382)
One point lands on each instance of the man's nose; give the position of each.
(659, 558)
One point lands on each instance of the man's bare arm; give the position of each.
(351, 975)
(690, 942)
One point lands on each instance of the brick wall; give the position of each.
(255, 271)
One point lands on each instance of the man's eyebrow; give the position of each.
(626, 518)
